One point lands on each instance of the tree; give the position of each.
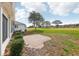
(39, 23)
(57, 22)
(35, 18)
(46, 24)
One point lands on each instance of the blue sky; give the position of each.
(67, 12)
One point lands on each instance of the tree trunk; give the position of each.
(35, 25)
(35, 28)
(57, 26)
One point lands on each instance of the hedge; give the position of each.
(16, 45)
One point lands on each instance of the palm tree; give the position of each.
(57, 22)
(35, 18)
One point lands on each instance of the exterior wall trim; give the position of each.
(1, 31)
(9, 34)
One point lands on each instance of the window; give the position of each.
(12, 27)
(4, 31)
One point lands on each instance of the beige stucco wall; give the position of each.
(7, 8)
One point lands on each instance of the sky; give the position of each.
(67, 12)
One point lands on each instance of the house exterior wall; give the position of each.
(6, 9)
(0, 31)
(19, 26)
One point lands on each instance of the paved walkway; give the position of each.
(35, 41)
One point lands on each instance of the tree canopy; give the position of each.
(57, 22)
(35, 18)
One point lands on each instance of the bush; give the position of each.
(18, 36)
(16, 45)
(18, 32)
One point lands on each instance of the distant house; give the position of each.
(19, 26)
(6, 23)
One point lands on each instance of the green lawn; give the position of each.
(61, 31)
(64, 39)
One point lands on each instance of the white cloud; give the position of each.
(62, 9)
(21, 15)
(76, 10)
(34, 6)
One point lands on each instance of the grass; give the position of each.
(70, 48)
(74, 32)
(61, 37)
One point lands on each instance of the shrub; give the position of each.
(16, 47)
(18, 32)
(18, 36)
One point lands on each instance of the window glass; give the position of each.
(4, 31)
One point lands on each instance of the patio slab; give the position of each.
(35, 40)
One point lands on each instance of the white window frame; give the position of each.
(4, 44)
